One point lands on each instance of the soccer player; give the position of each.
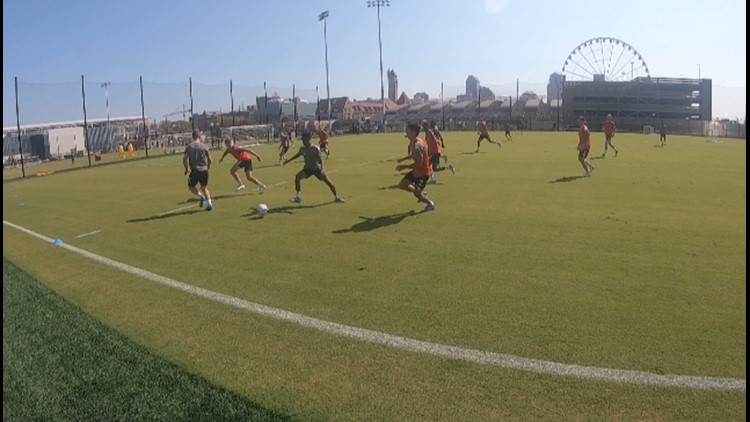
(286, 143)
(508, 136)
(663, 134)
(197, 162)
(484, 133)
(416, 179)
(584, 145)
(434, 126)
(244, 159)
(609, 133)
(324, 140)
(434, 150)
(313, 167)
(439, 135)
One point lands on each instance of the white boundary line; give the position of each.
(87, 234)
(451, 352)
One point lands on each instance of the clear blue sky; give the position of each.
(49, 44)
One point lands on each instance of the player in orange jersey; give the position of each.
(416, 179)
(584, 146)
(324, 140)
(244, 159)
(435, 151)
(484, 133)
(609, 133)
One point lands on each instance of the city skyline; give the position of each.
(499, 42)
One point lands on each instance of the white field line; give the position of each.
(451, 352)
(87, 234)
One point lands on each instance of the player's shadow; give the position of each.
(389, 187)
(659, 146)
(598, 157)
(163, 216)
(368, 224)
(472, 152)
(566, 179)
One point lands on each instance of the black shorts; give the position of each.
(608, 137)
(320, 174)
(435, 159)
(583, 153)
(198, 176)
(420, 182)
(284, 150)
(507, 133)
(487, 137)
(246, 164)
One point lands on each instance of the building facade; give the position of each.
(392, 85)
(641, 102)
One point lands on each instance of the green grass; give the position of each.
(60, 364)
(640, 267)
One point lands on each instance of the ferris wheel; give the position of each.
(604, 57)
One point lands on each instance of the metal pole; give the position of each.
(382, 87)
(231, 99)
(699, 70)
(192, 119)
(85, 122)
(265, 106)
(18, 127)
(143, 117)
(294, 98)
(106, 102)
(442, 104)
(378, 4)
(318, 96)
(323, 16)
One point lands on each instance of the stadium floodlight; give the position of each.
(323, 17)
(378, 4)
(699, 70)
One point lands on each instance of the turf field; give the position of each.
(640, 269)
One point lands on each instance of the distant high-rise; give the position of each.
(555, 85)
(392, 85)
(472, 86)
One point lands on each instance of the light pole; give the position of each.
(323, 17)
(378, 4)
(699, 70)
(106, 85)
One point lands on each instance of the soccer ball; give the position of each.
(261, 209)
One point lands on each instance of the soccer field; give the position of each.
(636, 274)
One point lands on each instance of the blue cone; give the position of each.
(58, 242)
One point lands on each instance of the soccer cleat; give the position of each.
(429, 207)
(239, 188)
(591, 169)
(209, 207)
(340, 200)
(616, 152)
(587, 174)
(261, 188)
(296, 200)
(452, 168)
(200, 203)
